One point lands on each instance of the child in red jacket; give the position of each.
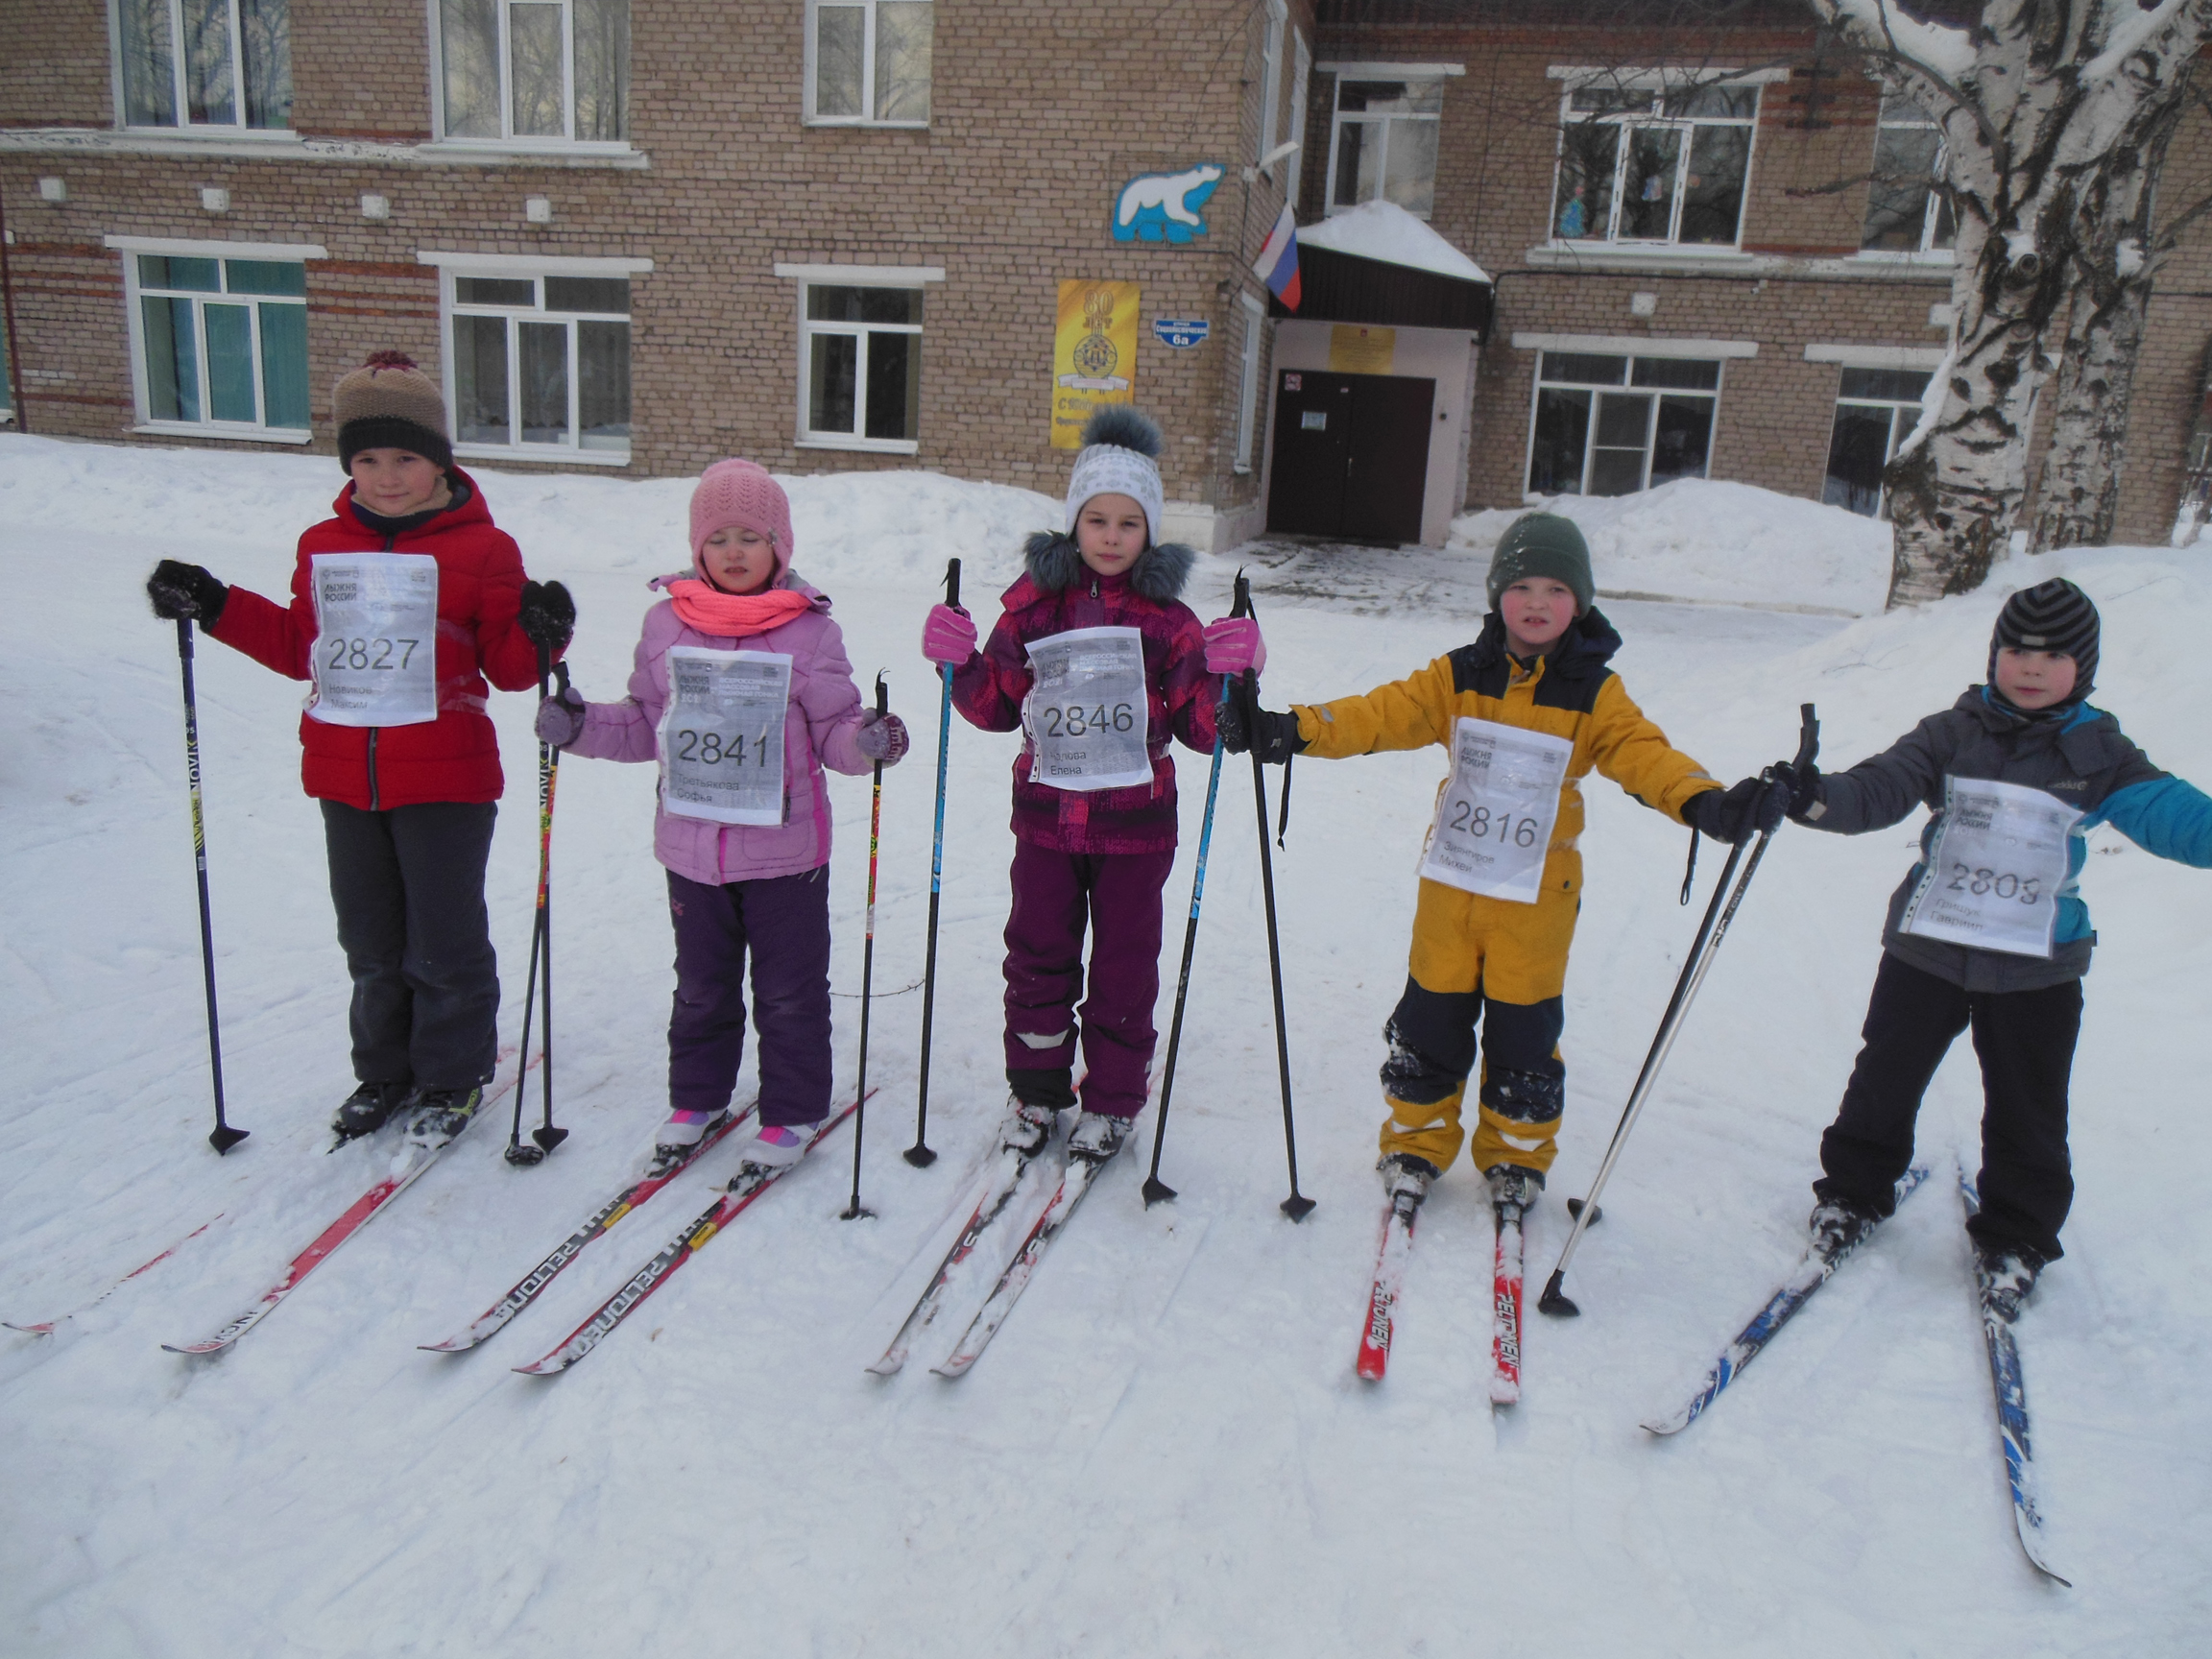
(402, 606)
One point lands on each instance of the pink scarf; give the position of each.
(735, 615)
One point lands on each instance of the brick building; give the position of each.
(844, 234)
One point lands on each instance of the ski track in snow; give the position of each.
(1165, 1452)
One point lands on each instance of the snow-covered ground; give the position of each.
(1165, 1452)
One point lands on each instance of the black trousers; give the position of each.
(408, 885)
(2025, 1041)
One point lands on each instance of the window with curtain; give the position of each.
(222, 343)
(539, 71)
(540, 365)
(868, 62)
(1609, 425)
(1875, 409)
(1654, 163)
(208, 66)
(1384, 144)
(860, 355)
(1907, 209)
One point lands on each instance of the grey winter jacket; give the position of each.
(2079, 757)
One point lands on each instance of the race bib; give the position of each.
(1086, 711)
(1493, 818)
(1994, 872)
(375, 656)
(722, 737)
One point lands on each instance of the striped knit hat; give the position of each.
(2053, 615)
(388, 403)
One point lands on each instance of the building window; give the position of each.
(210, 64)
(1613, 425)
(1272, 77)
(1301, 72)
(868, 63)
(221, 344)
(1875, 409)
(541, 364)
(547, 71)
(1663, 165)
(1906, 210)
(1384, 144)
(1248, 379)
(861, 367)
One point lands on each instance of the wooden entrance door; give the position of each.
(1351, 455)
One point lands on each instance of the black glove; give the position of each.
(1247, 728)
(548, 615)
(1753, 806)
(1807, 790)
(180, 589)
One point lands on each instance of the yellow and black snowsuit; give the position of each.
(1491, 959)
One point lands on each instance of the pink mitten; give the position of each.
(948, 635)
(1232, 644)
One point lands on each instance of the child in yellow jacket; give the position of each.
(1526, 711)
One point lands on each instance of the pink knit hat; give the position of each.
(740, 493)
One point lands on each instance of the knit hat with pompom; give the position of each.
(388, 403)
(741, 494)
(1120, 456)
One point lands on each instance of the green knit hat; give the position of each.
(1542, 545)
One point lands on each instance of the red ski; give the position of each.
(48, 1326)
(1506, 1301)
(1389, 1275)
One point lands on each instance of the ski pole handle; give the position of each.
(882, 695)
(952, 583)
(1808, 736)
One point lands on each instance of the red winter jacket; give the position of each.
(455, 756)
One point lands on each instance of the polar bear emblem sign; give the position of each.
(1163, 206)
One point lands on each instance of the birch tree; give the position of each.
(2038, 100)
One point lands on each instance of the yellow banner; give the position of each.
(1358, 349)
(1093, 354)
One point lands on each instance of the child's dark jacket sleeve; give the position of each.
(1883, 789)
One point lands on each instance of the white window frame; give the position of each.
(865, 118)
(1354, 72)
(1270, 77)
(1928, 252)
(1906, 359)
(1301, 76)
(1632, 348)
(1658, 83)
(183, 126)
(511, 267)
(507, 138)
(255, 431)
(1248, 379)
(806, 276)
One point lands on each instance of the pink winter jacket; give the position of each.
(818, 731)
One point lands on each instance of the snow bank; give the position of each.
(1716, 543)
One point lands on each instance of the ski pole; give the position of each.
(1707, 946)
(920, 1154)
(852, 1211)
(1155, 1188)
(222, 1137)
(1297, 1206)
(546, 1136)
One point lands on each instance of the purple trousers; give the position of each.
(785, 921)
(1055, 893)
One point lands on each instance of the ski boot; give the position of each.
(675, 1142)
(1028, 1127)
(1098, 1136)
(777, 1146)
(1838, 1225)
(1515, 1185)
(440, 1114)
(1406, 1178)
(366, 1110)
(2005, 1274)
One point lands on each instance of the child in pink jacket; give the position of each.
(743, 693)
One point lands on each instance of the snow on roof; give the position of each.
(1384, 230)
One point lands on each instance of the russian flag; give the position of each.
(1277, 265)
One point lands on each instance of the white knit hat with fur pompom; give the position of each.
(1119, 457)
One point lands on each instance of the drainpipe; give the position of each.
(8, 314)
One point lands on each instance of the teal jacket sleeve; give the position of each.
(2162, 815)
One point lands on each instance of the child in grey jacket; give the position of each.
(1988, 928)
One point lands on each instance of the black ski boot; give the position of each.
(1515, 1185)
(1838, 1225)
(1407, 1177)
(440, 1114)
(1098, 1136)
(2005, 1274)
(366, 1109)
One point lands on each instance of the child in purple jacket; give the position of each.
(1099, 663)
(743, 693)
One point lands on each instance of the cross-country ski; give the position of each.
(1003, 1178)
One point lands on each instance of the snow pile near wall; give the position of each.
(1385, 232)
(1716, 543)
